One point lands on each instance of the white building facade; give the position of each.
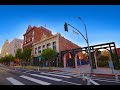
(14, 45)
(50, 42)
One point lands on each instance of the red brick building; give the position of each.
(118, 51)
(39, 38)
(66, 44)
(33, 35)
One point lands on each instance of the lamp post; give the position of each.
(87, 44)
(86, 39)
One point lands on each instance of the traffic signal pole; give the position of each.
(86, 39)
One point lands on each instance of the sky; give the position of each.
(102, 22)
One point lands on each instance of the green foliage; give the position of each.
(49, 54)
(26, 54)
(103, 61)
(115, 61)
(1, 60)
(19, 54)
(11, 58)
(7, 59)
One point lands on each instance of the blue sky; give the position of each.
(103, 21)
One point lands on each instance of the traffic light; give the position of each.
(66, 27)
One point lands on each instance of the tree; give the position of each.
(105, 53)
(103, 61)
(115, 61)
(49, 54)
(19, 54)
(1, 60)
(7, 59)
(11, 58)
(27, 55)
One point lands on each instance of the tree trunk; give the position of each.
(49, 63)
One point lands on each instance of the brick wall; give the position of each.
(66, 44)
(118, 51)
(38, 32)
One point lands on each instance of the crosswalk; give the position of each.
(65, 73)
(35, 80)
(110, 80)
(14, 81)
(55, 77)
(94, 79)
(43, 78)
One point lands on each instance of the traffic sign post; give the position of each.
(116, 77)
(39, 63)
(111, 66)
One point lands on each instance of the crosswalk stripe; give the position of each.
(71, 74)
(64, 73)
(56, 75)
(58, 72)
(71, 83)
(27, 71)
(35, 80)
(14, 81)
(102, 78)
(106, 80)
(92, 81)
(55, 79)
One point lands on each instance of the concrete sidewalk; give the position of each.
(87, 69)
(81, 69)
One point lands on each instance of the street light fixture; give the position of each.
(86, 38)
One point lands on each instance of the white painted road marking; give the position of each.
(71, 83)
(14, 81)
(56, 75)
(103, 78)
(92, 81)
(58, 72)
(64, 73)
(35, 80)
(26, 71)
(106, 80)
(55, 79)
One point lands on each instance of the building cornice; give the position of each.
(27, 44)
(47, 38)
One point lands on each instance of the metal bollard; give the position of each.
(116, 77)
(88, 79)
(83, 76)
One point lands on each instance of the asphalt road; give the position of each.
(10, 76)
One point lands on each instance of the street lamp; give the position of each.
(86, 39)
(87, 44)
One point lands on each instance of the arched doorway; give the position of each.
(67, 59)
(102, 58)
(81, 58)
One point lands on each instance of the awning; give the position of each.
(41, 57)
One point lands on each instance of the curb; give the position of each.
(104, 74)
